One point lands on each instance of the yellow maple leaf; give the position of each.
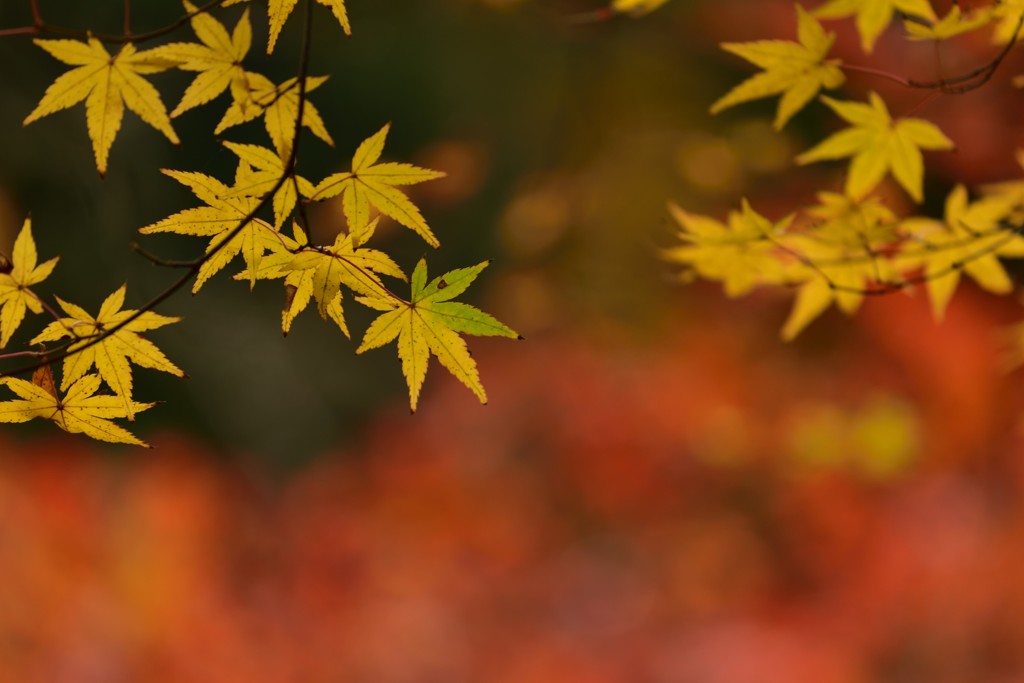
(80, 411)
(970, 238)
(25, 271)
(111, 356)
(319, 273)
(857, 224)
(1009, 14)
(217, 59)
(268, 168)
(873, 16)
(836, 259)
(1011, 191)
(278, 105)
(278, 12)
(840, 275)
(430, 323)
(953, 24)
(106, 83)
(370, 183)
(223, 212)
(878, 144)
(797, 70)
(740, 254)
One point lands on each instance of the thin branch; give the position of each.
(957, 85)
(158, 261)
(952, 85)
(178, 284)
(22, 354)
(47, 307)
(20, 31)
(39, 26)
(977, 77)
(871, 71)
(890, 287)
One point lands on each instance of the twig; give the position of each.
(39, 26)
(158, 261)
(953, 85)
(178, 284)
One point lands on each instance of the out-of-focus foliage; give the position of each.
(797, 70)
(867, 248)
(715, 507)
(658, 490)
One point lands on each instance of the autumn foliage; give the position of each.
(234, 218)
(681, 500)
(847, 244)
(711, 510)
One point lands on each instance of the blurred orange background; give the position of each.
(702, 508)
(660, 491)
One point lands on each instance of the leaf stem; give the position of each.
(177, 285)
(871, 71)
(20, 31)
(158, 261)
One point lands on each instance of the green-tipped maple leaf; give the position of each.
(953, 24)
(113, 355)
(217, 59)
(268, 168)
(80, 411)
(797, 70)
(878, 144)
(223, 212)
(970, 238)
(106, 83)
(873, 16)
(256, 95)
(370, 183)
(25, 271)
(278, 12)
(320, 273)
(430, 324)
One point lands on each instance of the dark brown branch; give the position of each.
(883, 288)
(952, 85)
(178, 284)
(20, 31)
(158, 261)
(40, 27)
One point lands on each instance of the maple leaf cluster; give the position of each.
(259, 216)
(111, 354)
(852, 243)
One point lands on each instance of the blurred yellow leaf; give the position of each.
(797, 70)
(878, 145)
